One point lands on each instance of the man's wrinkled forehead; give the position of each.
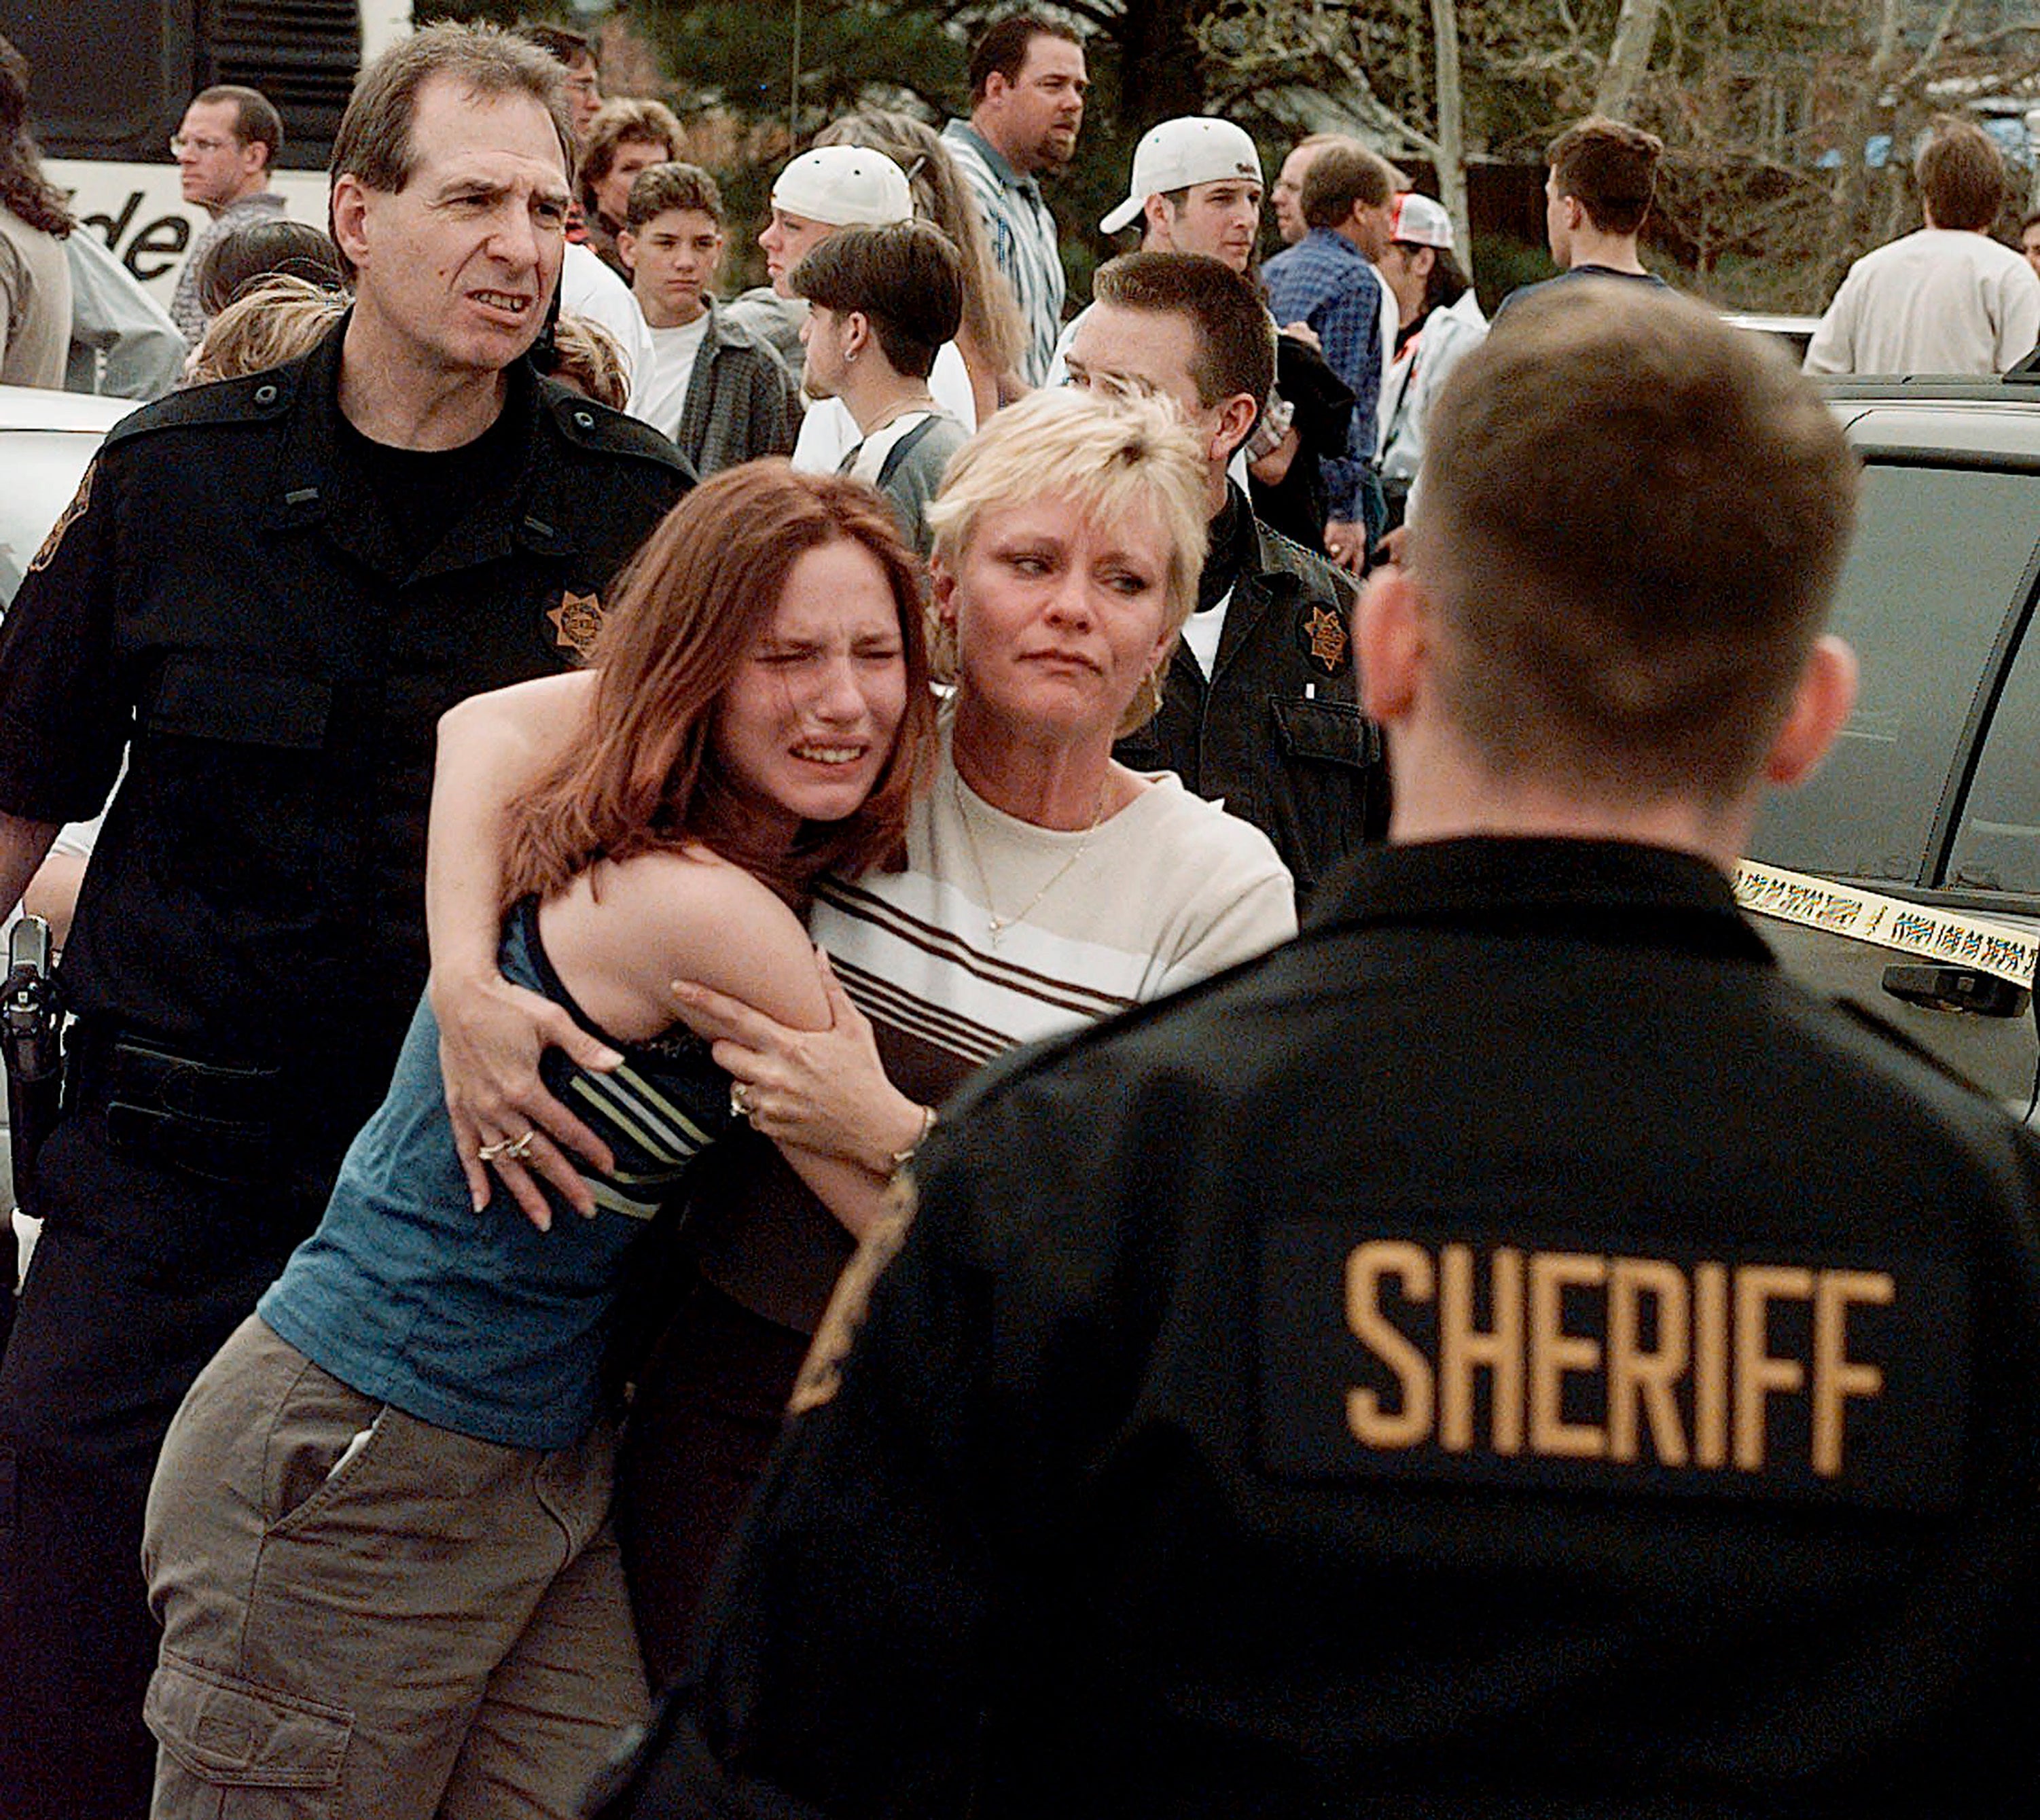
(460, 132)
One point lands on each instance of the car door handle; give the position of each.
(1956, 989)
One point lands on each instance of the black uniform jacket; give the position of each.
(226, 594)
(1509, 1352)
(1276, 731)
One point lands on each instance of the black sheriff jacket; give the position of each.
(1508, 1352)
(1276, 732)
(227, 601)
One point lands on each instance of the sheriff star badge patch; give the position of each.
(577, 625)
(1325, 637)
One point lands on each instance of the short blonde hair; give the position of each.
(1109, 453)
(589, 359)
(276, 319)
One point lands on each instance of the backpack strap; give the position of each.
(900, 449)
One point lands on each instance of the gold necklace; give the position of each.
(994, 924)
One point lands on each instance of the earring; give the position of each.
(1147, 702)
(942, 636)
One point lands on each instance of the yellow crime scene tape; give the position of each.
(1993, 948)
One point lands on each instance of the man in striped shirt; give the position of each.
(1027, 84)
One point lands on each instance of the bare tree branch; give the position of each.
(1936, 40)
(1628, 57)
(1452, 130)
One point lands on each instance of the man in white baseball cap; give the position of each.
(830, 187)
(1438, 323)
(1193, 161)
(1197, 188)
(1415, 220)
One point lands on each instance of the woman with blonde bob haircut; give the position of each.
(1113, 463)
(384, 1508)
(1046, 885)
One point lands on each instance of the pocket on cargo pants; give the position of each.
(233, 1749)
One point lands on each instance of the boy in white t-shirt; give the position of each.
(717, 388)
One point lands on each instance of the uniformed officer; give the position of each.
(1258, 708)
(1509, 1352)
(267, 591)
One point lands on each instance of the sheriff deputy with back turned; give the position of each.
(267, 591)
(1510, 1351)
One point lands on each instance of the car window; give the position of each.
(1997, 841)
(1939, 556)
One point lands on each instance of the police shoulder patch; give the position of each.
(81, 503)
(821, 1372)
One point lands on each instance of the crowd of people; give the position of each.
(691, 1067)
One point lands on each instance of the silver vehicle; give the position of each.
(1792, 332)
(46, 438)
(1926, 815)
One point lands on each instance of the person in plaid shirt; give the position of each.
(1327, 282)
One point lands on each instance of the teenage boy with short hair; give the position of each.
(627, 137)
(1602, 179)
(822, 191)
(881, 301)
(716, 387)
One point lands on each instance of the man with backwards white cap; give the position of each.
(830, 187)
(1198, 179)
(1197, 188)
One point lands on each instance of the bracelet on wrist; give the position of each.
(901, 1157)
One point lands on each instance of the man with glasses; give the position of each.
(225, 149)
(575, 52)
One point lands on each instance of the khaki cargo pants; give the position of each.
(365, 1615)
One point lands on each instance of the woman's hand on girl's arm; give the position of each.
(491, 1032)
(822, 1091)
